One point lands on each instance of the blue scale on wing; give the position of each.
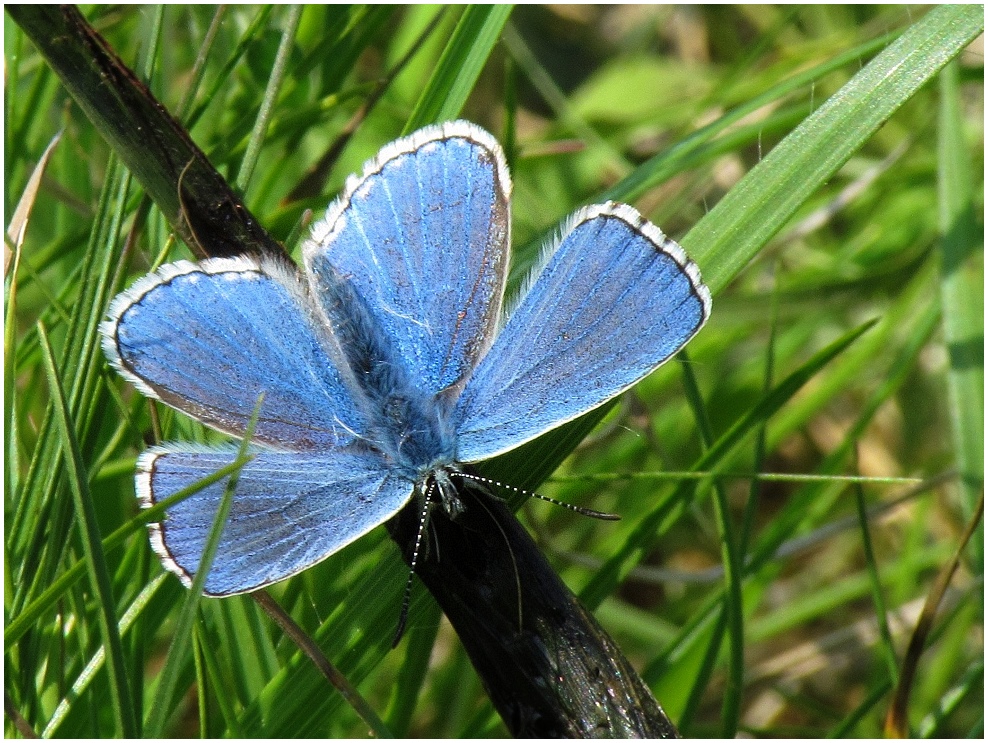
(382, 369)
(608, 308)
(423, 238)
(290, 510)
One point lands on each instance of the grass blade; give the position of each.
(99, 659)
(962, 296)
(95, 560)
(154, 147)
(460, 65)
(758, 206)
(31, 613)
(896, 721)
(270, 95)
(656, 522)
(690, 99)
(877, 594)
(168, 680)
(741, 223)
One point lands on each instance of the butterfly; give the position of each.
(387, 362)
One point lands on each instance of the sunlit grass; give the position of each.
(671, 109)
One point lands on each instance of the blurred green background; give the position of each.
(872, 465)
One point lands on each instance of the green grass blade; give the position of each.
(732, 614)
(559, 102)
(15, 233)
(696, 147)
(251, 33)
(693, 149)
(733, 611)
(708, 91)
(206, 659)
(270, 95)
(897, 718)
(39, 534)
(95, 560)
(408, 684)
(704, 668)
(607, 577)
(38, 490)
(877, 593)
(20, 623)
(962, 285)
(757, 207)
(460, 65)
(741, 223)
(871, 701)
(168, 680)
(816, 494)
(971, 683)
(199, 67)
(99, 659)
(669, 664)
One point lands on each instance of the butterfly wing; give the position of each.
(209, 338)
(290, 510)
(614, 301)
(422, 236)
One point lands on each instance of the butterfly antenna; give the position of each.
(405, 602)
(603, 515)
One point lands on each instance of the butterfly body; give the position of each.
(387, 363)
(411, 423)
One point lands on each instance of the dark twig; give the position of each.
(152, 144)
(896, 721)
(308, 646)
(22, 725)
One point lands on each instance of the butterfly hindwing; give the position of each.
(423, 238)
(289, 510)
(614, 301)
(209, 338)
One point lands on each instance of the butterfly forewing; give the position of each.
(210, 338)
(614, 301)
(423, 238)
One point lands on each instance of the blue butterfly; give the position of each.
(389, 362)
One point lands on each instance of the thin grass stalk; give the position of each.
(161, 707)
(962, 296)
(457, 70)
(270, 96)
(757, 207)
(95, 559)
